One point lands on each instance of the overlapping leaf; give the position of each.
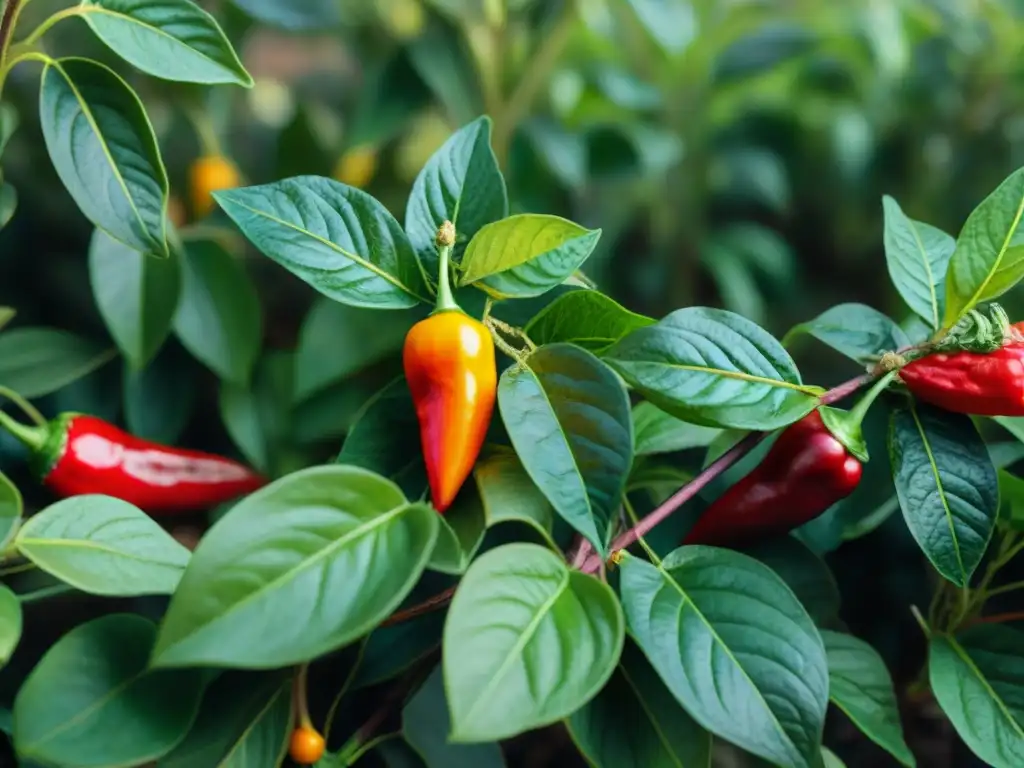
(36, 361)
(857, 331)
(10, 623)
(655, 431)
(588, 319)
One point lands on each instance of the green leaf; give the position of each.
(655, 431)
(526, 255)
(918, 256)
(714, 368)
(175, 40)
(860, 685)
(588, 319)
(830, 759)
(244, 721)
(159, 399)
(426, 724)
(105, 689)
(460, 183)
(509, 495)
(672, 24)
(804, 573)
(336, 238)
(104, 150)
(218, 318)
(1011, 500)
(384, 439)
(337, 341)
(734, 646)
(636, 723)
(857, 331)
(988, 261)
(460, 533)
(443, 58)
(37, 361)
(103, 546)
(294, 15)
(137, 295)
(978, 680)
(11, 510)
(328, 535)
(518, 609)
(8, 203)
(947, 487)
(568, 418)
(258, 417)
(10, 624)
(8, 124)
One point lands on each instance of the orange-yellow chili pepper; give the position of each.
(207, 175)
(449, 364)
(306, 745)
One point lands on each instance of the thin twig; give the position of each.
(429, 605)
(1000, 618)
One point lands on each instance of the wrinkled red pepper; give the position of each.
(984, 384)
(75, 454)
(805, 472)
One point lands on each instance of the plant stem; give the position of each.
(32, 437)
(1012, 587)
(10, 14)
(299, 690)
(27, 408)
(445, 242)
(1001, 618)
(17, 569)
(429, 605)
(45, 592)
(42, 29)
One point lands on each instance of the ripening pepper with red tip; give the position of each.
(805, 472)
(75, 454)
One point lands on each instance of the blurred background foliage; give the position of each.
(734, 153)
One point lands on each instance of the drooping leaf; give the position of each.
(329, 533)
(987, 261)
(461, 183)
(37, 361)
(568, 418)
(978, 680)
(136, 294)
(104, 546)
(635, 722)
(947, 487)
(526, 255)
(106, 689)
(734, 646)
(104, 150)
(174, 39)
(655, 431)
(460, 533)
(918, 256)
(804, 572)
(508, 493)
(715, 368)
(159, 399)
(10, 624)
(336, 238)
(857, 331)
(860, 685)
(588, 319)
(258, 417)
(218, 317)
(527, 642)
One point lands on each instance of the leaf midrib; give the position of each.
(738, 375)
(965, 657)
(999, 257)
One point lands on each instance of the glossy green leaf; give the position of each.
(830, 759)
(105, 689)
(655, 431)
(734, 646)
(11, 509)
(461, 183)
(804, 572)
(159, 399)
(715, 368)
(37, 361)
(918, 256)
(426, 724)
(460, 533)
(857, 331)
(588, 319)
(173, 39)
(568, 418)
(8, 203)
(9, 121)
(860, 685)
(384, 439)
(337, 341)
(947, 487)
(635, 722)
(527, 643)
(978, 680)
(988, 261)
(267, 569)
(104, 150)
(258, 416)
(103, 546)
(218, 318)
(244, 721)
(294, 15)
(337, 238)
(10, 624)
(526, 255)
(508, 493)
(136, 294)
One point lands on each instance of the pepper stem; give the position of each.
(445, 242)
(846, 425)
(32, 437)
(299, 692)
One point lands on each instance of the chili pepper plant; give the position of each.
(562, 514)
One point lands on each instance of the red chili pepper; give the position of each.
(805, 472)
(76, 454)
(984, 384)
